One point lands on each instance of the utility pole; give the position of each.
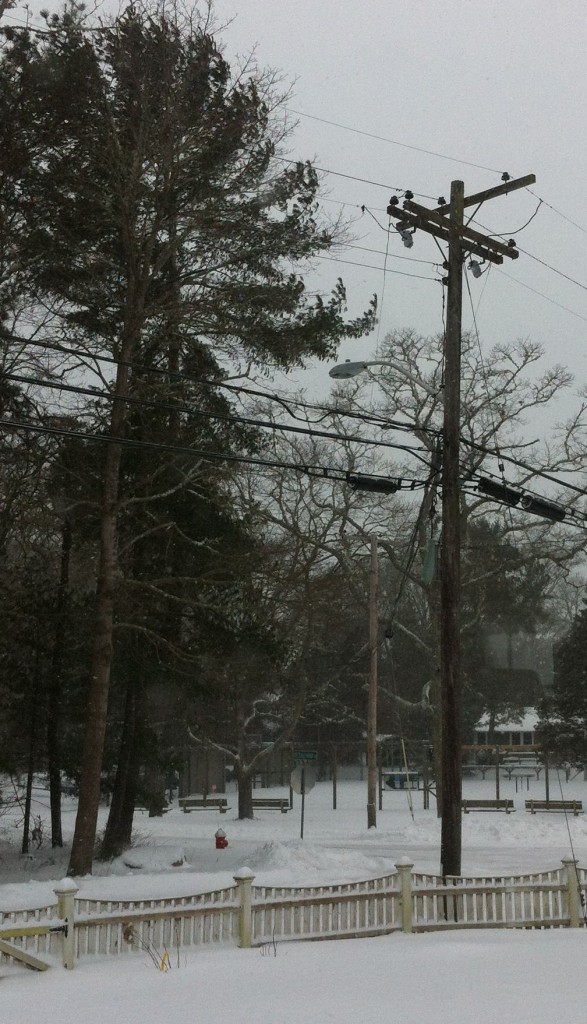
(450, 552)
(461, 240)
(372, 697)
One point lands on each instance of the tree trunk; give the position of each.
(82, 850)
(56, 688)
(119, 825)
(26, 825)
(245, 793)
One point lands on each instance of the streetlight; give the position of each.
(348, 369)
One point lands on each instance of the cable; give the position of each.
(379, 325)
(288, 403)
(561, 273)
(572, 516)
(285, 403)
(369, 266)
(560, 214)
(515, 231)
(540, 473)
(553, 269)
(323, 472)
(222, 417)
(354, 177)
(393, 142)
(392, 255)
(541, 294)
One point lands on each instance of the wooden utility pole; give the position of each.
(462, 240)
(372, 698)
(450, 552)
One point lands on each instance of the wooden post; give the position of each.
(404, 869)
(450, 632)
(497, 752)
(334, 775)
(425, 776)
(573, 897)
(372, 699)
(546, 779)
(65, 892)
(244, 880)
(380, 776)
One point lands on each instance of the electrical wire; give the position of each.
(369, 266)
(559, 212)
(380, 324)
(288, 403)
(221, 417)
(535, 291)
(316, 470)
(238, 389)
(354, 177)
(393, 142)
(392, 255)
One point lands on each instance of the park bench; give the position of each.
(576, 806)
(271, 803)
(487, 805)
(203, 803)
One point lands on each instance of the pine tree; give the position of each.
(156, 200)
(562, 725)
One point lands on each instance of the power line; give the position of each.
(561, 273)
(354, 177)
(541, 294)
(392, 255)
(380, 421)
(239, 389)
(369, 266)
(133, 400)
(559, 212)
(310, 469)
(393, 142)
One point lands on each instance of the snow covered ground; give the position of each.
(483, 976)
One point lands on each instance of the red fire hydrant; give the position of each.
(221, 840)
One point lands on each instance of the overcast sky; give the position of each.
(497, 83)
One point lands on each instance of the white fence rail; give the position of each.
(250, 915)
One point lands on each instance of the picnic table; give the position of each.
(521, 767)
(395, 779)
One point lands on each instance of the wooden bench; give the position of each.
(271, 803)
(576, 806)
(488, 805)
(203, 803)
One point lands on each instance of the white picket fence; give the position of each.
(250, 915)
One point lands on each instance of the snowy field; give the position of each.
(495, 976)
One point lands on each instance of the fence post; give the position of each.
(65, 892)
(244, 879)
(573, 898)
(404, 869)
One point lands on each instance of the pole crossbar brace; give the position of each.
(465, 233)
(492, 193)
(441, 231)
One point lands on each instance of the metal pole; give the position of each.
(450, 690)
(372, 699)
(303, 789)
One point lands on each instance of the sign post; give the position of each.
(303, 778)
